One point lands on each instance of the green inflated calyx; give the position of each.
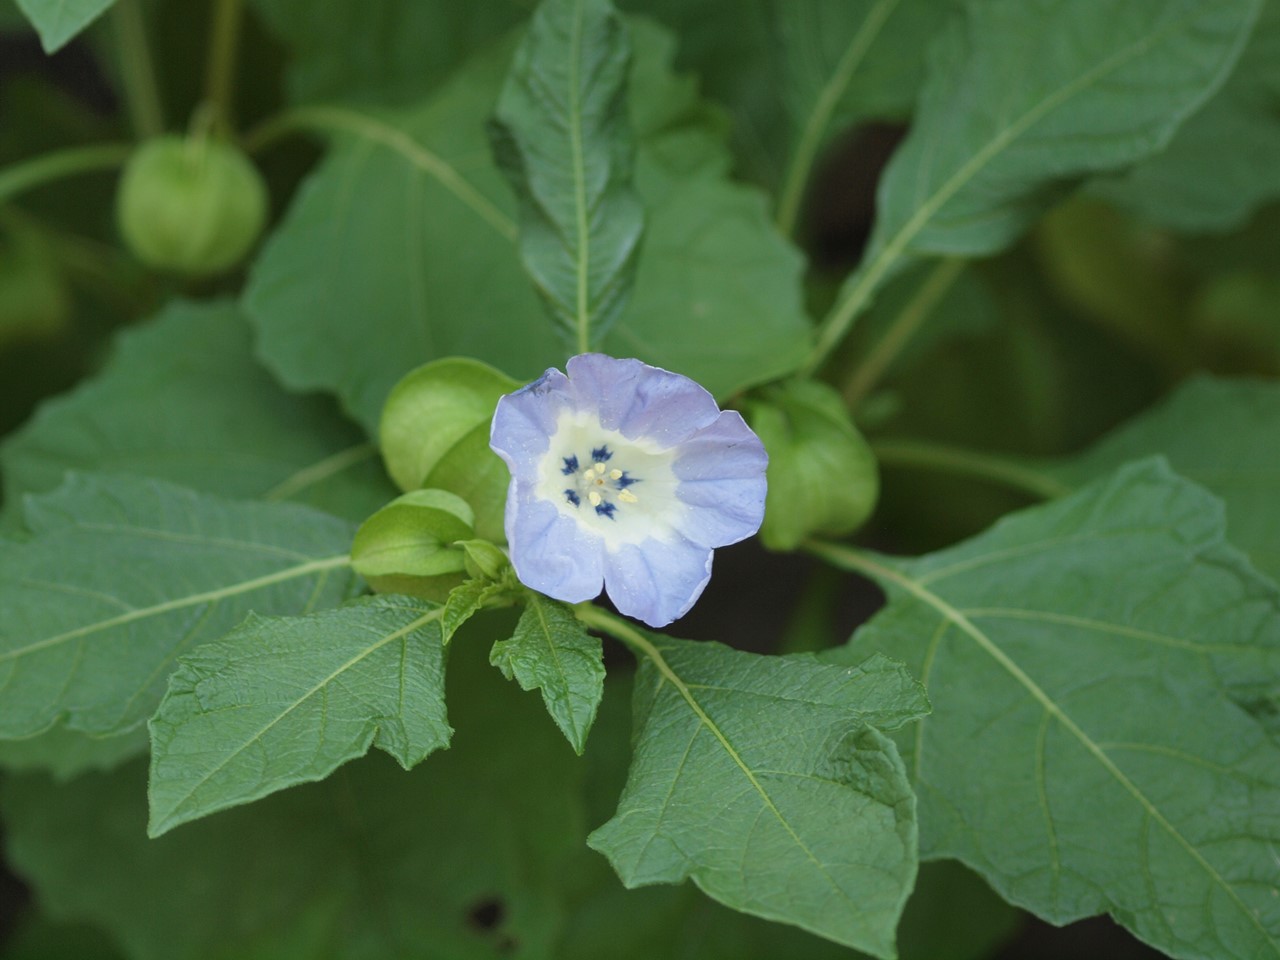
(822, 474)
(193, 206)
(411, 546)
(435, 433)
(484, 560)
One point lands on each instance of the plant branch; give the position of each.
(969, 463)
(220, 70)
(48, 167)
(618, 628)
(342, 120)
(142, 95)
(903, 327)
(819, 120)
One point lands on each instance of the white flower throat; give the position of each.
(621, 488)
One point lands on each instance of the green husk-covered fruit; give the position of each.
(191, 206)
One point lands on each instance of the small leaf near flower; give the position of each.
(626, 477)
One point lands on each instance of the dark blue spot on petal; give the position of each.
(573, 498)
(606, 509)
(625, 481)
(570, 466)
(601, 455)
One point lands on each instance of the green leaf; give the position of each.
(551, 651)
(794, 73)
(1225, 161)
(1219, 433)
(717, 293)
(373, 862)
(465, 601)
(285, 700)
(1012, 115)
(58, 21)
(562, 137)
(182, 399)
(380, 51)
(842, 62)
(1081, 754)
(122, 576)
(66, 754)
(408, 226)
(765, 780)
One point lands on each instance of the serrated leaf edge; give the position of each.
(851, 560)
(159, 825)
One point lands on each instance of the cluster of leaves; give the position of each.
(1076, 236)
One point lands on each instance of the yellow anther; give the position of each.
(626, 496)
(594, 498)
(615, 474)
(599, 468)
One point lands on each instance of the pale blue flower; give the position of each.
(624, 476)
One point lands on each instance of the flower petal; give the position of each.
(550, 551)
(657, 581)
(721, 470)
(640, 401)
(525, 420)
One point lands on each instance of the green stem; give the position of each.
(342, 120)
(142, 94)
(48, 167)
(901, 330)
(221, 68)
(625, 632)
(969, 463)
(851, 560)
(850, 306)
(321, 470)
(815, 128)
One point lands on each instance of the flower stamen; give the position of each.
(598, 484)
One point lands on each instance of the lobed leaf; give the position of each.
(183, 400)
(380, 51)
(842, 62)
(766, 781)
(65, 754)
(1219, 433)
(409, 226)
(374, 862)
(58, 21)
(122, 576)
(1082, 754)
(1023, 100)
(1224, 162)
(285, 700)
(551, 651)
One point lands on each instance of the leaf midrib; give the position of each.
(579, 181)
(329, 119)
(824, 106)
(538, 610)
(849, 306)
(958, 618)
(418, 623)
(640, 642)
(179, 603)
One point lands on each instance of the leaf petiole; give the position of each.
(49, 167)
